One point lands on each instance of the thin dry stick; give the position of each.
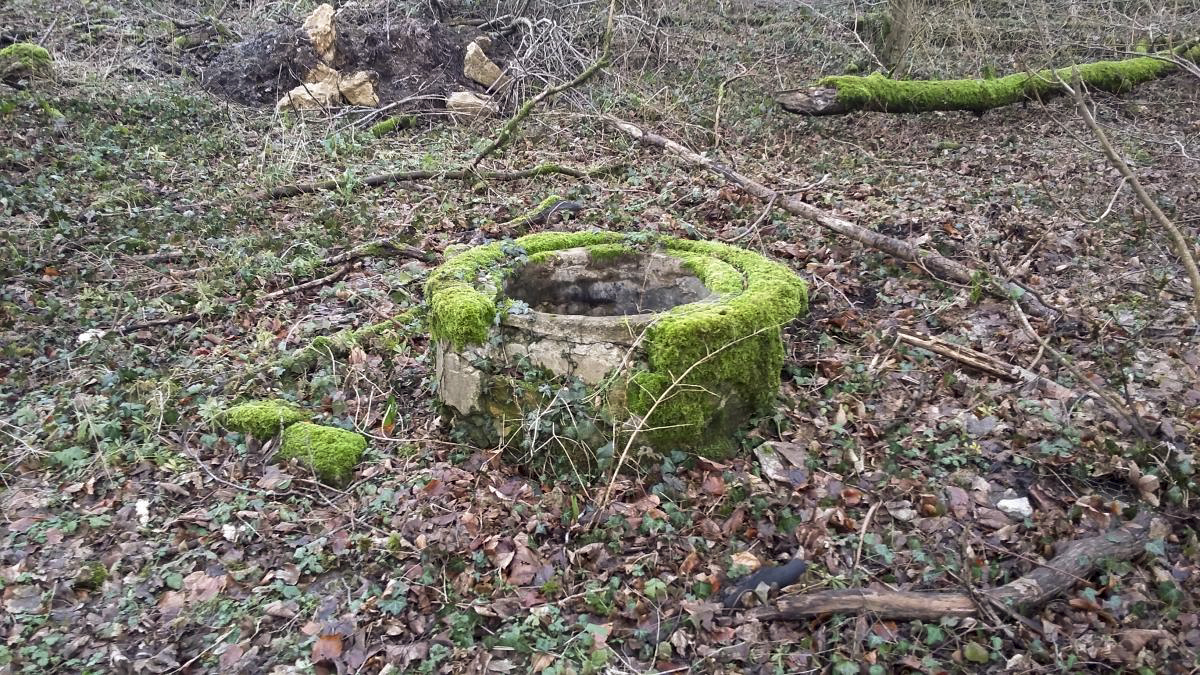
(975, 359)
(327, 279)
(1181, 245)
(862, 534)
(716, 129)
(1107, 397)
(510, 128)
(402, 176)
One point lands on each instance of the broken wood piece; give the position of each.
(966, 355)
(1074, 564)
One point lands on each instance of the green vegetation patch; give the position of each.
(330, 452)
(713, 364)
(263, 419)
(877, 92)
(462, 293)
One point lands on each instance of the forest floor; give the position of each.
(136, 249)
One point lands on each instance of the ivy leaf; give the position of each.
(975, 652)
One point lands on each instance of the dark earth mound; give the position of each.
(411, 57)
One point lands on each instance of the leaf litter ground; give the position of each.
(138, 536)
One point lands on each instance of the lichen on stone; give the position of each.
(330, 452)
(262, 419)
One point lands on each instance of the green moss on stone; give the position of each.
(330, 452)
(263, 419)
(462, 291)
(92, 576)
(27, 54)
(712, 363)
(876, 92)
(733, 349)
(23, 59)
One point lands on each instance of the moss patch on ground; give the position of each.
(330, 452)
(263, 419)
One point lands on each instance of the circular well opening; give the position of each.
(573, 282)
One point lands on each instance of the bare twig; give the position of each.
(936, 265)
(716, 128)
(327, 279)
(403, 176)
(975, 359)
(1107, 397)
(1182, 249)
(509, 129)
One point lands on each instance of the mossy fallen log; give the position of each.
(846, 93)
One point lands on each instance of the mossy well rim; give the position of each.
(729, 349)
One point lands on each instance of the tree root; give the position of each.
(1073, 564)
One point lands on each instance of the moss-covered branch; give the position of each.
(847, 93)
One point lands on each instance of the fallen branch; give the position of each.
(1182, 249)
(846, 93)
(978, 360)
(157, 323)
(379, 248)
(936, 265)
(1107, 397)
(1074, 564)
(403, 176)
(506, 132)
(161, 256)
(315, 283)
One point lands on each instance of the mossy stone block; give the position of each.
(330, 452)
(22, 60)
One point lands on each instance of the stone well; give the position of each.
(677, 341)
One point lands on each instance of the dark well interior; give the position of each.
(611, 286)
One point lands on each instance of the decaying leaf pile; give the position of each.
(145, 286)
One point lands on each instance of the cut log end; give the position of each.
(815, 101)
